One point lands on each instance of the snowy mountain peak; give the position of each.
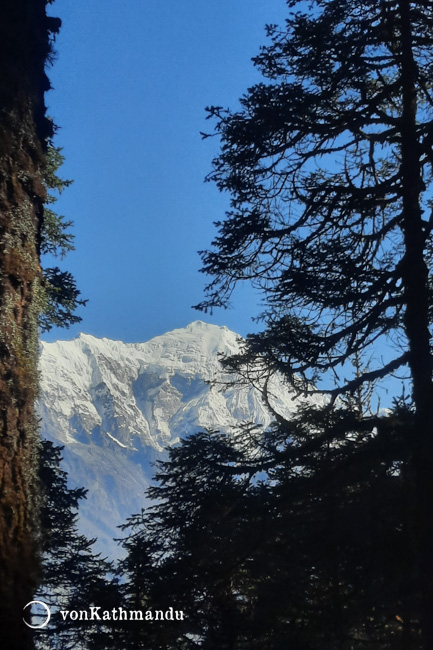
(115, 406)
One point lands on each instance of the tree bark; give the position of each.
(415, 280)
(24, 47)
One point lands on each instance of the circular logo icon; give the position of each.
(45, 606)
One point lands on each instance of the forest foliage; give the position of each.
(60, 296)
(315, 533)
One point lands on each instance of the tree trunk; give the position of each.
(415, 279)
(24, 47)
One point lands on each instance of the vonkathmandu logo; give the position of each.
(99, 614)
(120, 614)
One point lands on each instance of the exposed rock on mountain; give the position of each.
(115, 407)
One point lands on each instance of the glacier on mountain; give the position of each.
(116, 406)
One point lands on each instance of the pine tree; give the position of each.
(329, 168)
(262, 551)
(181, 553)
(59, 293)
(73, 576)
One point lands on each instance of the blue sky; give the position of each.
(131, 82)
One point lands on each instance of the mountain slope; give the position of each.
(115, 406)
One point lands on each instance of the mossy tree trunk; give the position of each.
(24, 48)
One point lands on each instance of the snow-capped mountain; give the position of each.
(115, 407)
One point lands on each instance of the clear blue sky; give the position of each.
(131, 82)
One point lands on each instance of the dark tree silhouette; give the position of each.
(73, 576)
(59, 292)
(329, 168)
(263, 552)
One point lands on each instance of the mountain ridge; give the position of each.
(116, 406)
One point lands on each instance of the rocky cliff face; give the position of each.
(115, 407)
